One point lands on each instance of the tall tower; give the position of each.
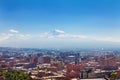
(77, 58)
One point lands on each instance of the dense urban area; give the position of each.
(56, 64)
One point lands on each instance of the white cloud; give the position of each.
(13, 31)
(61, 34)
(23, 36)
(107, 39)
(5, 36)
(53, 38)
(13, 34)
(78, 36)
(58, 34)
(59, 31)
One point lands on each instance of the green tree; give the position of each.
(113, 76)
(14, 75)
(3, 72)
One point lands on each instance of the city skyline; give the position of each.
(60, 23)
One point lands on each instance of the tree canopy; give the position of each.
(14, 75)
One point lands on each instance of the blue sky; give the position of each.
(84, 22)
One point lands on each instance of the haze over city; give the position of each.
(60, 23)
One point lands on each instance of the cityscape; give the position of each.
(43, 64)
(59, 39)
